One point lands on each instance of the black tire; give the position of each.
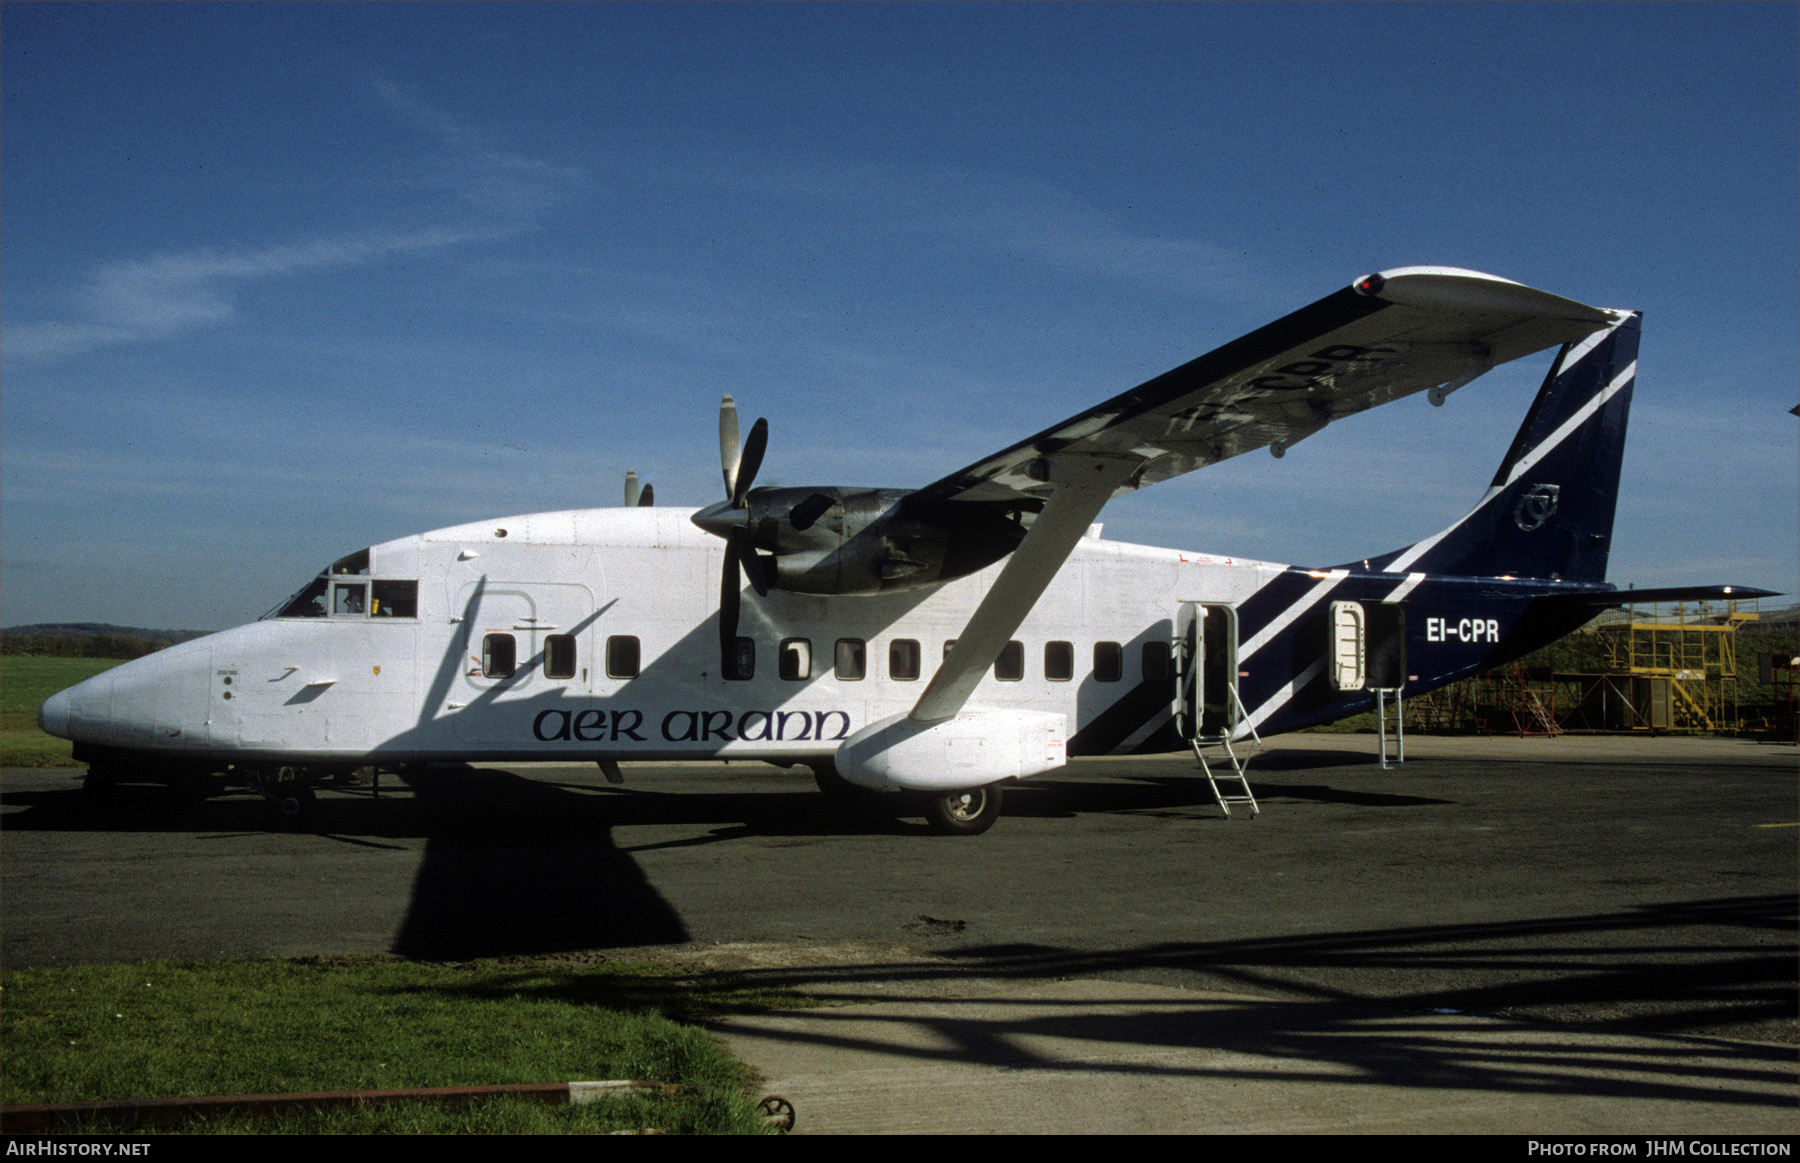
(964, 813)
(291, 807)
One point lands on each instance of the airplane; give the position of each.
(944, 641)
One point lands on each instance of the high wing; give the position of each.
(1385, 336)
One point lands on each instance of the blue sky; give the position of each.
(283, 281)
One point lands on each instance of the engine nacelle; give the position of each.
(838, 540)
(972, 750)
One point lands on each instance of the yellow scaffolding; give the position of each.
(1675, 665)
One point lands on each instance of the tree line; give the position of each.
(81, 645)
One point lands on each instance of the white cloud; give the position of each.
(1001, 212)
(498, 193)
(130, 300)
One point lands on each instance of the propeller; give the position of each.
(633, 499)
(739, 464)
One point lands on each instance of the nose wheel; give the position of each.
(291, 807)
(964, 813)
(289, 802)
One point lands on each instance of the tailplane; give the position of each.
(1549, 511)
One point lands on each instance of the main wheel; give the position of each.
(964, 813)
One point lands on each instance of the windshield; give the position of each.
(308, 603)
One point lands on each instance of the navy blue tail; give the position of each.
(1549, 511)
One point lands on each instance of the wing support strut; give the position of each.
(1083, 485)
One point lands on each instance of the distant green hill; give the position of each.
(105, 628)
(89, 640)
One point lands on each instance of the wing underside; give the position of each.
(1385, 336)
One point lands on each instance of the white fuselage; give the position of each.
(637, 588)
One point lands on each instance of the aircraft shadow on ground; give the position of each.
(517, 866)
(1442, 1038)
(514, 867)
(454, 800)
(511, 866)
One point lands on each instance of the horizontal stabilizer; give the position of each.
(1665, 594)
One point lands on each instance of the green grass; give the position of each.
(169, 1029)
(25, 682)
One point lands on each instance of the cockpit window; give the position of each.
(395, 599)
(308, 603)
(350, 598)
(337, 596)
(357, 562)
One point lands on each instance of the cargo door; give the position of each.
(525, 647)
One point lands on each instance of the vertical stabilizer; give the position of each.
(1549, 511)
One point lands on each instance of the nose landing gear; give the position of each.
(289, 802)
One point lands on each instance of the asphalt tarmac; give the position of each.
(1611, 922)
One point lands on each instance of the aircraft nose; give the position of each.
(720, 519)
(53, 715)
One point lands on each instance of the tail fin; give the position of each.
(1549, 511)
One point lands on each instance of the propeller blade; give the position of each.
(631, 488)
(729, 452)
(755, 566)
(753, 455)
(728, 606)
(649, 497)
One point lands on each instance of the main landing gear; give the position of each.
(964, 813)
(961, 813)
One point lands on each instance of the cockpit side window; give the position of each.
(395, 599)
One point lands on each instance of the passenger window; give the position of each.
(559, 656)
(1109, 662)
(852, 659)
(499, 656)
(949, 645)
(622, 656)
(1010, 666)
(1156, 660)
(742, 663)
(796, 659)
(349, 599)
(1059, 661)
(903, 659)
(394, 599)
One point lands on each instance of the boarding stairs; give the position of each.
(1232, 760)
(1383, 696)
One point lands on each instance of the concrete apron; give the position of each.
(1094, 1056)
